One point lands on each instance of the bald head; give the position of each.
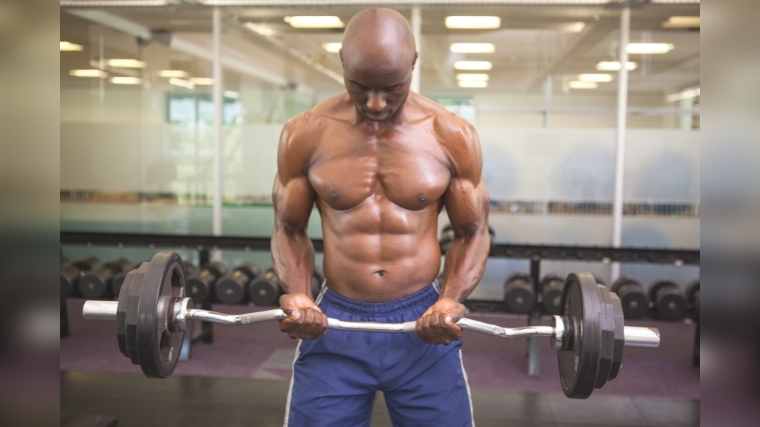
(379, 39)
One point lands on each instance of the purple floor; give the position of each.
(262, 351)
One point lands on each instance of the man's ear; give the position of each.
(340, 53)
(414, 61)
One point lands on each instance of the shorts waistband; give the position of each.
(426, 295)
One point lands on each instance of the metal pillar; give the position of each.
(416, 30)
(617, 207)
(218, 105)
(534, 319)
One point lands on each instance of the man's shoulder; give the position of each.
(311, 122)
(449, 127)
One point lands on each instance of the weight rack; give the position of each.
(535, 253)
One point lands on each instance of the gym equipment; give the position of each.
(96, 283)
(551, 293)
(317, 278)
(692, 295)
(447, 236)
(266, 290)
(519, 293)
(71, 273)
(200, 284)
(669, 302)
(232, 287)
(632, 295)
(152, 315)
(65, 261)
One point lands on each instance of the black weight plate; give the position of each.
(266, 290)
(133, 313)
(157, 345)
(579, 363)
(117, 281)
(121, 314)
(617, 360)
(551, 294)
(230, 289)
(69, 276)
(607, 323)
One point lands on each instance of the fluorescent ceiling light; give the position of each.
(89, 73)
(473, 22)
(687, 94)
(615, 66)
(472, 77)
(174, 73)
(71, 47)
(231, 94)
(473, 65)
(575, 27)
(314, 22)
(123, 3)
(472, 83)
(681, 22)
(181, 83)
(260, 29)
(649, 48)
(125, 63)
(601, 78)
(120, 80)
(332, 47)
(582, 85)
(472, 48)
(202, 81)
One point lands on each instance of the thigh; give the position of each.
(437, 396)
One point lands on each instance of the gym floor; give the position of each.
(243, 376)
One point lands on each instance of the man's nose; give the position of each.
(375, 102)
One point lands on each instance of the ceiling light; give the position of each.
(649, 48)
(71, 47)
(202, 81)
(582, 85)
(314, 22)
(332, 47)
(615, 66)
(575, 27)
(174, 73)
(473, 65)
(472, 48)
(687, 94)
(231, 94)
(181, 83)
(472, 77)
(601, 78)
(473, 22)
(472, 83)
(260, 29)
(681, 22)
(126, 80)
(125, 63)
(89, 73)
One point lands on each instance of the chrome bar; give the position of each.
(641, 337)
(100, 311)
(498, 331)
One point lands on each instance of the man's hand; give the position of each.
(438, 324)
(305, 320)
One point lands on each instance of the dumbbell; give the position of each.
(447, 236)
(153, 312)
(71, 273)
(317, 279)
(65, 261)
(551, 293)
(266, 290)
(632, 295)
(232, 287)
(96, 283)
(669, 302)
(519, 293)
(200, 285)
(692, 294)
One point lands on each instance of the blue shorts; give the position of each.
(335, 377)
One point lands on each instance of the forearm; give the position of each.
(465, 263)
(293, 259)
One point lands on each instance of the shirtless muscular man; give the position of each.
(380, 162)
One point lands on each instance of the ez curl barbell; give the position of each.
(153, 311)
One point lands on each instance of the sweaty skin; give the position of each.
(379, 162)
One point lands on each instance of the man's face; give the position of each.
(378, 91)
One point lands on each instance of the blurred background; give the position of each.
(538, 79)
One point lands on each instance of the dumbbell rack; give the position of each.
(535, 253)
